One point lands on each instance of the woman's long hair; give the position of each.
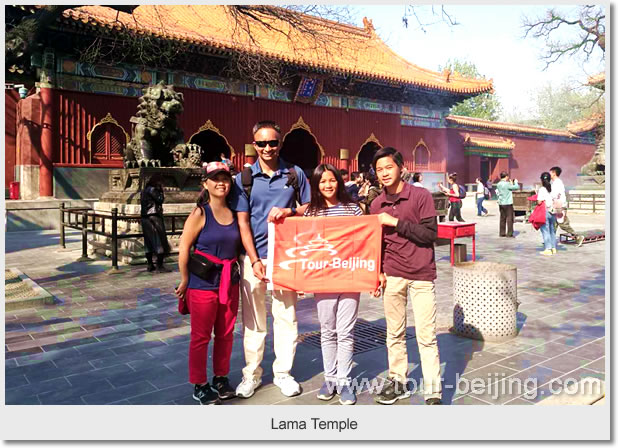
(546, 181)
(317, 200)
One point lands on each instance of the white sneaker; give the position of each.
(288, 385)
(247, 387)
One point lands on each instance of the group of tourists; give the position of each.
(229, 232)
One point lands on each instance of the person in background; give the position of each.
(408, 217)
(480, 197)
(153, 226)
(417, 180)
(370, 190)
(559, 194)
(212, 300)
(548, 230)
(454, 199)
(270, 199)
(337, 312)
(490, 188)
(350, 184)
(228, 162)
(505, 190)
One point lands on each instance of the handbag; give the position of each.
(183, 307)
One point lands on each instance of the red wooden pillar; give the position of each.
(47, 142)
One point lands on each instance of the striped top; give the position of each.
(337, 210)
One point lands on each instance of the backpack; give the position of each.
(247, 181)
(462, 191)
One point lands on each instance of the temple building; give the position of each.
(341, 102)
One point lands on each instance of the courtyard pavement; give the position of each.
(118, 339)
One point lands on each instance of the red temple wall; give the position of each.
(77, 112)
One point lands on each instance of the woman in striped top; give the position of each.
(337, 312)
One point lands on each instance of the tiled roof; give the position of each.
(351, 50)
(489, 142)
(586, 125)
(480, 123)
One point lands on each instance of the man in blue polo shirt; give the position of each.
(271, 198)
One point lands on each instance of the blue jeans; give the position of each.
(548, 230)
(479, 206)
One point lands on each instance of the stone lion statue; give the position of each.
(157, 139)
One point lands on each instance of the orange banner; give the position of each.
(327, 254)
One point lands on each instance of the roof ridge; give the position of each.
(508, 126)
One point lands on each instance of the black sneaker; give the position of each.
(433, 401)
(392, 392)
(221, 385)
(205, 395)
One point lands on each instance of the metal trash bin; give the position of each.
(485, 300)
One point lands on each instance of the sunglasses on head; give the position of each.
(271, 143)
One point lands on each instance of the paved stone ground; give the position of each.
(118, 339)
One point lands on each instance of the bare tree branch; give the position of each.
(436, 16)
(588, 29)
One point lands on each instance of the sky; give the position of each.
(490, 36)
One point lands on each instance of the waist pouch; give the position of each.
(205, 269)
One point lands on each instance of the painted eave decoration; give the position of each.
(350, 51)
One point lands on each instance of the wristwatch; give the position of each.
(293, 211)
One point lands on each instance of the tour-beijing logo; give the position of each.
(320, 244)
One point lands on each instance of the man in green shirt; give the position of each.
(505, 202)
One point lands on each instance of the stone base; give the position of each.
(590, 182)
(131, 250)
(180, 185)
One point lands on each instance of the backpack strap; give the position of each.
(293, 182)
(247, 180)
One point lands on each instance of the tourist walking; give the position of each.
(337, 312)
(505, 189)
(153, 226)
(548, 230)
(209, 283)
(454, 198)
(267, 191)
(408, 216)
(560, 195)
(481, 190)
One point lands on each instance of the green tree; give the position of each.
(555, 107)
(486, 106)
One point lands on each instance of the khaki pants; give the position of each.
(423, 297)
(285, 326)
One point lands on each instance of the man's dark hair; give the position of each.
(266, 124)
(388, 152)
(503, 174)
(354, 175)
(416, 177)
(557, 170)
(344, 172)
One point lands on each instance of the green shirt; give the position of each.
(504, 189)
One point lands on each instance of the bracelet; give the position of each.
(252, 264)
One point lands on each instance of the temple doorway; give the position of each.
(365, 156)
(300, 148)
(484, 169)
(212, 145)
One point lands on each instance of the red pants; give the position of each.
(207, 313)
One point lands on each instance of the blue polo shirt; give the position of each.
(266, 193)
